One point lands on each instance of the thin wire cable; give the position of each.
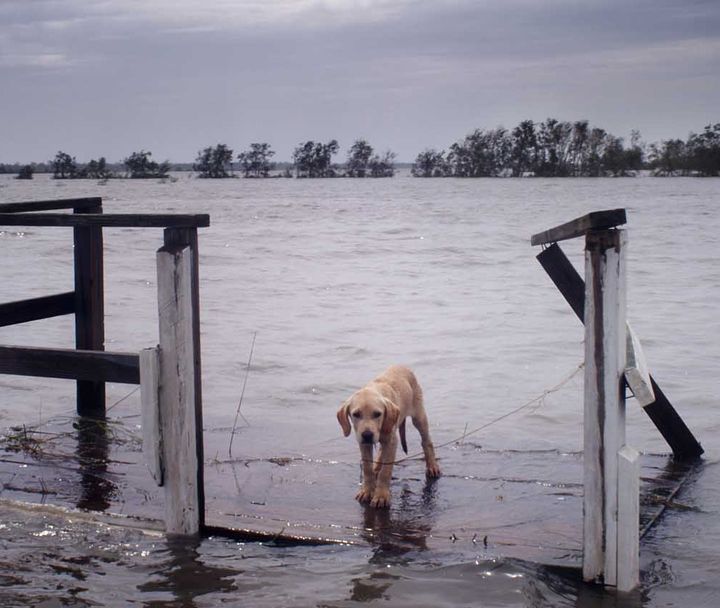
(133, 391)
(527, 404)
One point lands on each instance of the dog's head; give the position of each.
(371, 415)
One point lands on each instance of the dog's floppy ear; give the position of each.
(392, 413)
(343, 416)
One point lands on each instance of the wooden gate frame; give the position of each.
(611, 468)
(173, 383)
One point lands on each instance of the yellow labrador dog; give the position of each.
(377, 411)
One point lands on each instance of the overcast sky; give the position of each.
(108, 77)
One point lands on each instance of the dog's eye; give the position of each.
(356, 414)
(377, 414)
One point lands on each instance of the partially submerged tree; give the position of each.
(382, 166)
(430, 163)
(552, 148)
(95, 169)
(313, 159)
(255, 162)
(481, 154)
(358, 159)
(214, 162)
(140, 166)
(669, 157)
(704, 151)
(26, 172)
(64, 166)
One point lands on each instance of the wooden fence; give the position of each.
(170, 373)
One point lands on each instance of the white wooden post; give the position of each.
(149, 399)
(628, 555)
(177, 391)
(604, 407)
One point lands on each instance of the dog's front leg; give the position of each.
(368, 481)
(381, 497)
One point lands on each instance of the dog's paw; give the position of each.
(364, 495)
(433, 470)
(381, 499)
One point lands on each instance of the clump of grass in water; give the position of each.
(22, 440)
(46, 445)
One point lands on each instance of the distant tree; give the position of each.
(214, 162)
(614, 159)
(430, 163)
(95, 169)
(64, 166)
(555, 140)
(481, 154)
(26, 172)
(140, 166)
(704, 151)
(358, 159)
(669, 157)
(313, 159)
(382, 166)
(255, 162)
(524, 150)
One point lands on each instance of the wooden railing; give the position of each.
(170, 375)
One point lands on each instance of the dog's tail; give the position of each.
(403, 441)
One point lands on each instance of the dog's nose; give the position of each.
(367, 436)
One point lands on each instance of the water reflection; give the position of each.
(92, 453)
(185, 576)
(567, 582)
(394, 533)
(405, 526)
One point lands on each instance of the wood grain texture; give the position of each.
(177, 395)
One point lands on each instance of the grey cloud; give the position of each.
(405, 75)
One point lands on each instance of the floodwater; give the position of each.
(335, 280)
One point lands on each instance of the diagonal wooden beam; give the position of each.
(661, 412)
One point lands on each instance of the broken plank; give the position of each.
(637, 375)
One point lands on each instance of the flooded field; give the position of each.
(338, 279)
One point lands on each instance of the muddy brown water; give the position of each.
(340, 278)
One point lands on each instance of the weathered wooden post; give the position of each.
(89, 307)
(177, 462)
(604, 403)
(610, 468)
(628, 526)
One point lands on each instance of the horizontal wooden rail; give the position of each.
(67, 203)
(597, 220)
(108, 220)
(123, 368)
(33, 309)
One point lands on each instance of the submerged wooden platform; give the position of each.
(525, 505)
